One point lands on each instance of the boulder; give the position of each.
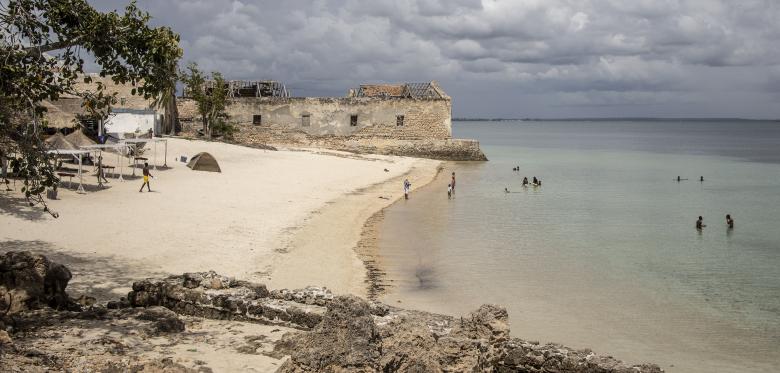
(29, 281)
(345, 341)
(165, 320)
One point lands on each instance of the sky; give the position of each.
(500, 58)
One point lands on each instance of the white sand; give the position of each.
(243, 222)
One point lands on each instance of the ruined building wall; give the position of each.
(376, 117)
(426, 131)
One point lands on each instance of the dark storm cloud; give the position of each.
(501, 57)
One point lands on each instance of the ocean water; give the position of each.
(605, 255)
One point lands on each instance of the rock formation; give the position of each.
(329, 334)
(29, 282)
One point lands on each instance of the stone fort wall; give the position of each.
(425, 131)
(399, 118)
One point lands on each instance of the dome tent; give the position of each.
(204, 162)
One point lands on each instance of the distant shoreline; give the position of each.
(612, 119)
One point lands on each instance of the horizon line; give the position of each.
(529, 119)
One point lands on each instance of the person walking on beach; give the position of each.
(700, 223)
(101, 176)
(407, 187)
(147, 175)
(449, 191)
(729, 221)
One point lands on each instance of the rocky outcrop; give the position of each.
(209, 295)
(29, 282)
(353, 338)
(340, 334)
(346, 340)
(165, 320)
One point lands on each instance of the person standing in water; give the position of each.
(700, 223)
(147, 175)
(453, 183)
(701, 179)
(525, 181)
(729, 221)
(407, 186)
(449, 191)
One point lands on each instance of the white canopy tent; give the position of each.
(77, 154)
(155, 140)
(117, 147)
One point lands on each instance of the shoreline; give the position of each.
(368, 249)
(240, 221)
(333, 236)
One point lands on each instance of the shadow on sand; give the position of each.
(18, 206)
(103, 277)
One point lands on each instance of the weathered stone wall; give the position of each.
(63, 112)
(376, 117)
(426, 130)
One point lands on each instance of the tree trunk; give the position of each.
(206, 127)
(171, 116)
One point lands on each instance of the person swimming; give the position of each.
(729, 221)
(700, 223)
(506, 190)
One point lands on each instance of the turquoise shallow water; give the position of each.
(605, 254)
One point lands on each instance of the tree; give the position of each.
(211, 98)
(43, 44)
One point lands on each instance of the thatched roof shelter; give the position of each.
(58, 141)
(79, 139)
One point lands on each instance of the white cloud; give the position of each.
(555, 48)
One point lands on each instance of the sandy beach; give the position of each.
(287, 218)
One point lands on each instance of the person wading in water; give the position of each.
(700, 223)
(453, 183)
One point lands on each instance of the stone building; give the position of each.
(67, 112)
(405, 119)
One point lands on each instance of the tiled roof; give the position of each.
(410, 90)
(381, 90)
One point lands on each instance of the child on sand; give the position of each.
(449, 191)
(147, 175)
(407, 186)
